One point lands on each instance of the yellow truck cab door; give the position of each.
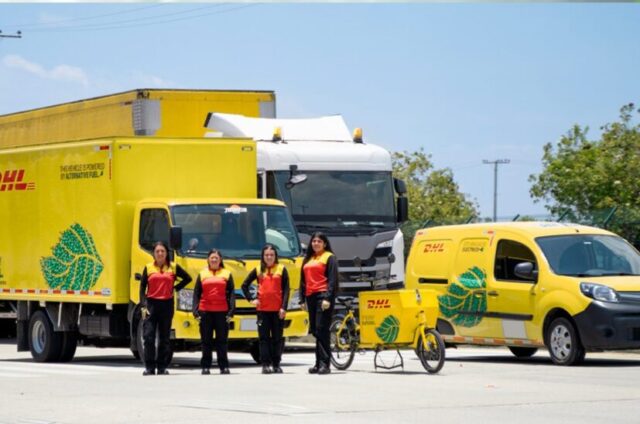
(510, 297)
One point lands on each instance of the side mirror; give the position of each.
(526, 271)
(400, 186)
(295, 179)
(175, 238)
(402, 207)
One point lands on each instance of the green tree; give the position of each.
(583, 177)
(434, 196)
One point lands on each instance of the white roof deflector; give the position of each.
(326, 128)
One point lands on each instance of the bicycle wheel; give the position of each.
(343, 343)
(431, 351)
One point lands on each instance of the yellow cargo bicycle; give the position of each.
(388, 320)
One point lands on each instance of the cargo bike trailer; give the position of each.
(388, 320)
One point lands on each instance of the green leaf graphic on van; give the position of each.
(388, 330)
(74, 263)
(466, 299)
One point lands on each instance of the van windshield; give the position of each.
(238, 231)
(583, 255)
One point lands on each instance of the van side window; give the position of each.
(508, 255)
(154, 226)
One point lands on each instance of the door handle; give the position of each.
(492, 293)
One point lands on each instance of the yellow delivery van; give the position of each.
(78, 221)
(527, 285)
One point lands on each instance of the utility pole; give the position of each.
(495, 164)
(18, 34)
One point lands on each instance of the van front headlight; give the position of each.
(599, 292)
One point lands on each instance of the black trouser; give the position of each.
(270, 328)
(159, 320)
(210, 322)
(319, 326)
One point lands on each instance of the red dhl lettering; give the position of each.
(11, 180)
(378, 304)
(433, 248)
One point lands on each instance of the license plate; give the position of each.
(248, 325)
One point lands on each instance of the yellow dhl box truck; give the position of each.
(78, 221)
(527, 285)
(141, 112)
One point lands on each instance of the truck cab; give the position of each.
(238, 228)
(334, 184)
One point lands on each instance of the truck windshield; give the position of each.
(238, 231)
(590, 255)
(338, 198)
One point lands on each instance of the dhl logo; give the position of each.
(378, 304)
(433, 248)
(13, 180)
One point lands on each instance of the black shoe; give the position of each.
(163, 372)
(324, 370)
(224, 371)
(313, 370)
(266, 369)
(149, 372)
(277, 370)
(206, 371)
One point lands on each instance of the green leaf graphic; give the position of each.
(461, 304)
(75, 263)
(388, 330)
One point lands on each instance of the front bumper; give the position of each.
(609, 326)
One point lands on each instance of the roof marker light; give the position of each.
(357, 135)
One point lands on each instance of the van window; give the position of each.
(590, 255)
(509, 254)
(154, 226)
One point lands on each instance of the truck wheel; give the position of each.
(523, 352)
(563, 342)
(44, 343)
(69, 345)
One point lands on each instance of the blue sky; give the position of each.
(465, 81)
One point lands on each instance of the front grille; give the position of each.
(245, 311)
(629, 296)
(348, 263)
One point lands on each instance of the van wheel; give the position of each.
(44, 343)
(523, 352)
(69, 345)
(563, 342)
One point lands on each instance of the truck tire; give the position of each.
(564, 343)
(44, 343)
(69, 345)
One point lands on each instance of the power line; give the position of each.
(495, 164)
(117, 25)
(84, 18)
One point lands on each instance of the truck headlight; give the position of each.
(294, 301)
(388, 243)
(185, 300)
(599, 292)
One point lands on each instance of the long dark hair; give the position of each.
(216, 251)
(263, 264)
(167, 260)
(310, 252)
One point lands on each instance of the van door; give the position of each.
(464, 304)
(510, 298)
